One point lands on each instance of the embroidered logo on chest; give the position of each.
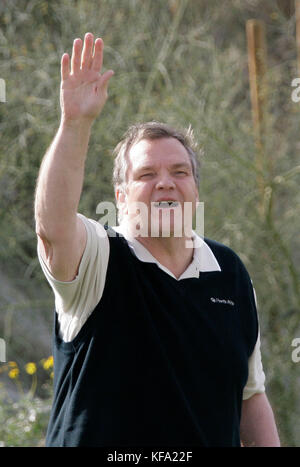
(222, 300)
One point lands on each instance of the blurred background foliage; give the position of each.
(179, 61)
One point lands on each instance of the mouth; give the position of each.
(166, 204)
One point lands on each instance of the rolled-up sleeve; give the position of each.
(75, 300)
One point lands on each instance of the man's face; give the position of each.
(160, 176)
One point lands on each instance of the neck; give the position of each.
(171, 252)
(175, 253)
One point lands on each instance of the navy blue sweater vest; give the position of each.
(159, 361)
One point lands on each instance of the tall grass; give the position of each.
(182, 62)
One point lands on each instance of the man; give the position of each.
(155, 342)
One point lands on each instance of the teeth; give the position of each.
(166, 204)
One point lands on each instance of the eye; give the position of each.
(180, 172)
(147, 175)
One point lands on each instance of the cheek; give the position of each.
(141, 191)
(195, 190)
(189, 189)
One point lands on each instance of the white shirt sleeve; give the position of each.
(256, 376)
(75, 300)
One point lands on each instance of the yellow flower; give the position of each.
(12, 364)
(30, 368)
(47, 364)
(14, 373)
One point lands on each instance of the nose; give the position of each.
(165, 182)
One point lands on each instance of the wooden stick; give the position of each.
(255, 30)
(257, 71)
(297, 14)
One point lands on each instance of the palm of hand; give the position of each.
(84, 89)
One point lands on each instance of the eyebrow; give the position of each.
(144, 167)
(181, 164)
(173, 166)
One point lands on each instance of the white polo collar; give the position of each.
(203, 260)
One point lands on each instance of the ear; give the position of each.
(121, 199)
(120, 195)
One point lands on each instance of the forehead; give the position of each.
(162, 151)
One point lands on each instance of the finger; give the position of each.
(65, 66)
(76, 55)
(87, 51)
(104, 80)
(98, 55)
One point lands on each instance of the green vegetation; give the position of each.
(179, 61)
(24, 414)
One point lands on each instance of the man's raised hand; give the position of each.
(83, 89)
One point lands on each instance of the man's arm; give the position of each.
(258, 426)
(61, 234)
